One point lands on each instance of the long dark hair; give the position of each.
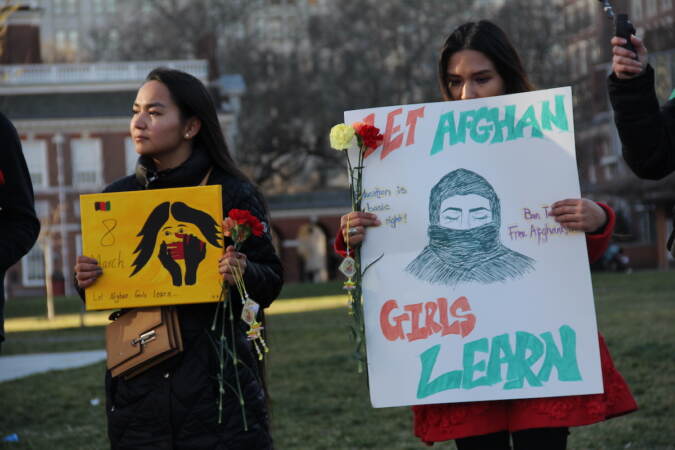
(193, 100)
(487, 38)
(156, 220)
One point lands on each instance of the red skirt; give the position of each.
(442, 422)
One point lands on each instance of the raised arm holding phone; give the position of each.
(647, 131)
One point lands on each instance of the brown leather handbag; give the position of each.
(141, 338)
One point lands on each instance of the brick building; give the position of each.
(73, 120)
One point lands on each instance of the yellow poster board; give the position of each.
(156, 247)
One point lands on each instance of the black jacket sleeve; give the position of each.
(264, 274)
(647, 132)
(19, 227)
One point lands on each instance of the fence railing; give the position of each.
(114, 72)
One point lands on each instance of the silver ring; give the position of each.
(352, 231)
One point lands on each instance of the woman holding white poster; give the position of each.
(176, 403)
(478, 61)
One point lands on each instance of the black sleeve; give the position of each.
(264, 274)
(647, 132)
(19, 226)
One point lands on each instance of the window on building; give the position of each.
(111, 6)
(574, 60)
(592, 176)
(58, 7)
(71, 7)
(97, 6)
(76, 208)
(33, 267)
(73, 40)
(636, 12)
(35, 153)
(583, 58)
(650, 8)
(260, 27)
(42, 209)
(274, 28)
(130, 155)
(666, 5)
(78, 244)
(114, 39)
(610, 171)
(593, 9)
(644, 223)
(86, 162)
(60, 40)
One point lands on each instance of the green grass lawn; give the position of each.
(318, 399)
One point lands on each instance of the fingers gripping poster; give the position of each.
(479, 294)
(155, 247)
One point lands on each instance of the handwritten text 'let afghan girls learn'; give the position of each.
(525, 356)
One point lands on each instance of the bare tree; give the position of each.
(355, 55)
(169, 29)
(350, 55)
(535, 27)
(48, 233)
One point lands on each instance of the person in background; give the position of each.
(19, 227)
(478, 61)
(647, 131)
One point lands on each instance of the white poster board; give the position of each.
(479, 295)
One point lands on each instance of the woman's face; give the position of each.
(463, 212)
(156, 126)
(471, 74)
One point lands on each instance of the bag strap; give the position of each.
(206, 177)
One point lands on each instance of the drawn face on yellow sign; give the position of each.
(177, 235)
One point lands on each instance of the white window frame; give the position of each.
(40, 146)
(95, 145)
(76, 208)
(637, 9)
(26, 270)
(78, 245)
(42, 210)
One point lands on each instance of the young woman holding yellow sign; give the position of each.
(176, 132)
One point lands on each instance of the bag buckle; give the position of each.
(144, 338)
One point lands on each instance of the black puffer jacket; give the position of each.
(647, 132)
(174, 405)
(19, 227)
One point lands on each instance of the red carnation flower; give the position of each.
(257, 229)
(370, 135)
(241, 216)
(246, 223)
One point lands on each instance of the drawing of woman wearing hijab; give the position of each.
(464, 245)
(174, 227)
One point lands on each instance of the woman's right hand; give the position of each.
(625, 63)
(87, 271)
(353, 226)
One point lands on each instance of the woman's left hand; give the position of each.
(228, 263)
(579, 214)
